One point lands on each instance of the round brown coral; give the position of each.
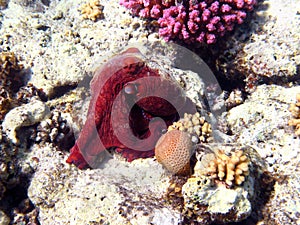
(173, 150)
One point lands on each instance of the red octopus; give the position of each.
(131, 105)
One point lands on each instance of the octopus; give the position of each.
(131, 107)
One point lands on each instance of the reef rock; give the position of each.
(119, 193)
(207, 200)
(262, 122)
(274, 27)
(4, 219)
(25, 115)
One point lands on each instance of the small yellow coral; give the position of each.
(92, 10)
(230, 169)
(193, 124)
(295, 110)
(174, 150)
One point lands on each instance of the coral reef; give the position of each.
(193, 21)
(207, 201)
(55, 130)
(174, 150)
(25, 115)
(295, 110)
(234, 98)
(120, 193)
(3, 4)
(194, 124)
(8, 164)
(261, 121)
(25, 213)
(10, 81)
(231, 169)
(92, 10)
(241, 57)
(252, 124)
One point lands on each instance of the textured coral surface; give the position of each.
(174, 150)
(193, 21)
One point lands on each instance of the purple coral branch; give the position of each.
(193, 20)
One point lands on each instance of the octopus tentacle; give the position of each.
(131, 105)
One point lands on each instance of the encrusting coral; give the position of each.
(194, 20)
(230, 169)
(92, 10)
(174, 150)
(295, 110)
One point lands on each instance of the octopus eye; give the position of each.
(130, 89)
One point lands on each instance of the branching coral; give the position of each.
(193, 20)
(295, 110)
(92, 10)
(194, 124)
(148, 8)
(230, 169)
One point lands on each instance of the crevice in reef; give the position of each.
(16, 204)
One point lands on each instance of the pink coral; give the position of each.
(147, 8)
(192, 21)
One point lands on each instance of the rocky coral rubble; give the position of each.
(117, 193)
(22, 116)
(10, 81)
(274, 27)
(295, 110)
(262, 122)
(207, 201)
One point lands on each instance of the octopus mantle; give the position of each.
(131, 106)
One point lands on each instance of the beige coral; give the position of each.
(92, 10)
(231, 169)
(194, 124)
(174, 150)
(295, 110)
